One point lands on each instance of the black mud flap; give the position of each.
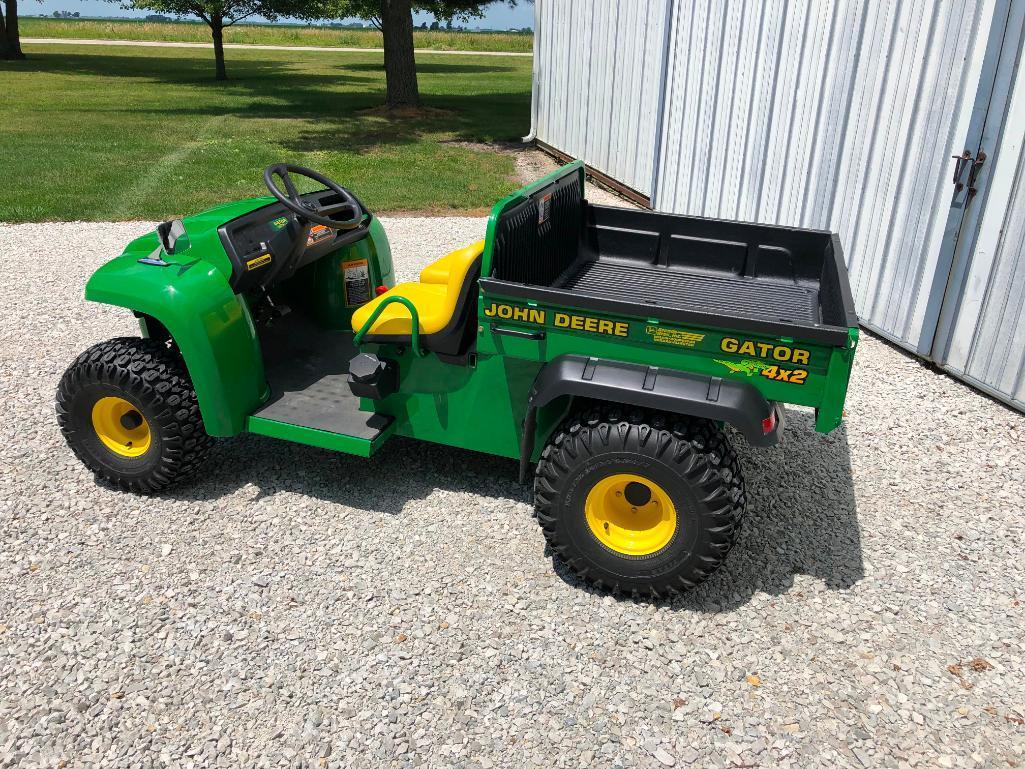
(723, 400)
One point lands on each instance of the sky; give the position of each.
(497, 16)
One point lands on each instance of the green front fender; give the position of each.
(210, 324)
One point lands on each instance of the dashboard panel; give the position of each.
(262, 244)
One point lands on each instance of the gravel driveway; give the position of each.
(295, 607)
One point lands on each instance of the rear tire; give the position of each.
(127, 409)
(645, 504)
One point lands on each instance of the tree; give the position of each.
(435, 26)
(10, 40)
(395, 20)
(220, 14)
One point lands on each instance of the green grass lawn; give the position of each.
(116, 134)
(265, 34)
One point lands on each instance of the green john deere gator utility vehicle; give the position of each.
(609, 346)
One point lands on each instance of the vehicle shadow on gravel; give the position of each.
(801, 518)
(403, 471)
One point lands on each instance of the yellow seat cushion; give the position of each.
(438, 271)
(430, 302)
(435, 297)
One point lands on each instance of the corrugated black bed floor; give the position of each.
(712, 294)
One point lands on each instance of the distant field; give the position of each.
(101, 134)
(261, 34)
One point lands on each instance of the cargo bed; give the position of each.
(556, 248)
(680, 290)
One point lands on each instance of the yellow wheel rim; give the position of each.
(121, 427)
(630, 514)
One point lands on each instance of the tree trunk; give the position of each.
(3, 36)
(217, 29)
(10, 47)
(399, 62)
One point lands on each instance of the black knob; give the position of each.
(366, 368)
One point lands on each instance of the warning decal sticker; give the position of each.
(673, 336)
(544, 208)
(258, 261)
(356, 275)
(318, 234)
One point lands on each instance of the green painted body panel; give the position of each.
(479, 407)
(834, 391)
(482, 408)
(201, 230)
(694, 349)
(347, 444)
(211, 325)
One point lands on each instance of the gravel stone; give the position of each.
(665, 757)
(319, 610)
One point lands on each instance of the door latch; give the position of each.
(974, 173)
(966, 160)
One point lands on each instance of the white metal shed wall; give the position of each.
(831, 114)
(597, 75)
(982, 326)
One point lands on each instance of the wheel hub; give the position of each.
(630, 514)
(121, 427)
(131, 420)
(637, 494)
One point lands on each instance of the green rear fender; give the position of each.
(210, 324)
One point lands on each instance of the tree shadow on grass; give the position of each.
(184, 70)
(337, 100)
(802, 516)
(435, 68)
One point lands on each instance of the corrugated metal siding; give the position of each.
(834, 114)
(597, 77)
(829, 114)
(986, 344)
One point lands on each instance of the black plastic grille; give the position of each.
(537, 253)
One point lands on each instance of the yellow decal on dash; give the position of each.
(778, 352)
(673, 336)
(558, 319)
(258, 261)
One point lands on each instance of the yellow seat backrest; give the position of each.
(440, 270)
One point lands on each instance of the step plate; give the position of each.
(307, 369)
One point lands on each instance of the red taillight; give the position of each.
(769, 423)
(380, 290)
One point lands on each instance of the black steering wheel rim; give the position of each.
(293, 201)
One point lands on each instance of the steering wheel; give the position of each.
(307, 209)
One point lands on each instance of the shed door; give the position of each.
(981, 329)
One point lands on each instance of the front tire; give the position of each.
(645, 504)
(127, 409)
